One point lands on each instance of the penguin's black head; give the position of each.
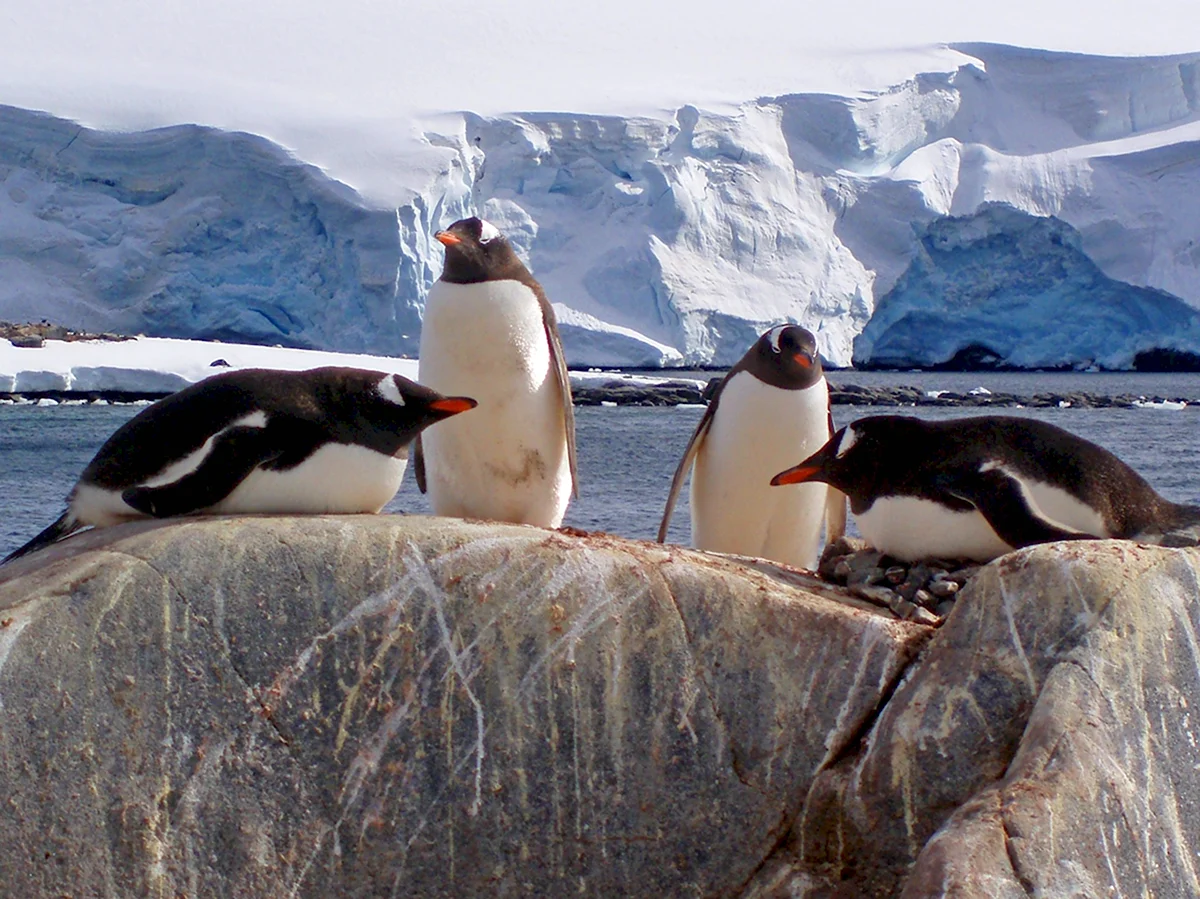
(862, 456)
(397, 409)
(785, 356)
(476, 251)
(408, 399)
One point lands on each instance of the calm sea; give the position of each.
(628, 454)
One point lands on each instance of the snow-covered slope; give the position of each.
(662, 238)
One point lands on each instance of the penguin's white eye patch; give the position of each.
(487, 231)
(774, 335)
(256, 419)
(389, 391)
(849, 438)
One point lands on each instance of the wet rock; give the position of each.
(35, 334)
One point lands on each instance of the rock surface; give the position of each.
(1041, 746)
(374, 706)
(378, 706)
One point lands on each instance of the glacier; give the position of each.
(1005, 289)
(880, 219)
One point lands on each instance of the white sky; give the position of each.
(319, 77)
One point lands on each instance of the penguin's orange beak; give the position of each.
(452, 405)
(447, 239)
(797, 475)
(811, 469)
(803, 360)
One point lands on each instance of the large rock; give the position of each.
(374, 706)
(1041, 746)
(377, 706)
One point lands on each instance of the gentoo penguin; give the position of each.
(975, 488)
(772, 406)
(489, 331)
(325, 440)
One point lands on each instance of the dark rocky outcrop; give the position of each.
(377, 705)
(629, 393)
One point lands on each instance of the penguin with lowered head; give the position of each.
(327, 440)
(979, 487)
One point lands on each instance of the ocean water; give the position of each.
(628, 454)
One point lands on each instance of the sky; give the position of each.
(341, 83)
(361, 56)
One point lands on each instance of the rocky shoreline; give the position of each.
(676, 393)
(33, 335)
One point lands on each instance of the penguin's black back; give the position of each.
(909, 456)
(307, 408)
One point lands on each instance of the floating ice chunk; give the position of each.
(1173, 405)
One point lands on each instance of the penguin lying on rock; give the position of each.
(772, 406)
(976, 488)
(331, 440)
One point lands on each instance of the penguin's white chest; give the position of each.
(338, 478)
(757, 431)
(506, 460)
(910, 529)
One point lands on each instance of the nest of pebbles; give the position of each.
(915, 591)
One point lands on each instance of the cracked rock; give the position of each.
(374, 705)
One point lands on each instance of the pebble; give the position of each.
(944, 588)
(923, 591)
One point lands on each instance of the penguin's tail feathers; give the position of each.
(67, 524)
(1183, 530)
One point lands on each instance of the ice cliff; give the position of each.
(960, 211)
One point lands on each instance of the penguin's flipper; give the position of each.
(65, 526)
(563, 377)
(418, 463)
(1002, 500)
(685, 465)
(234, 454)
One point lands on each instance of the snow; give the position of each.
(706, 174)
(162, 365)
(157, 365)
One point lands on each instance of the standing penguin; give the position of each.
(490, 331)
(772, 405)
(975, 488)
(325, 440)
